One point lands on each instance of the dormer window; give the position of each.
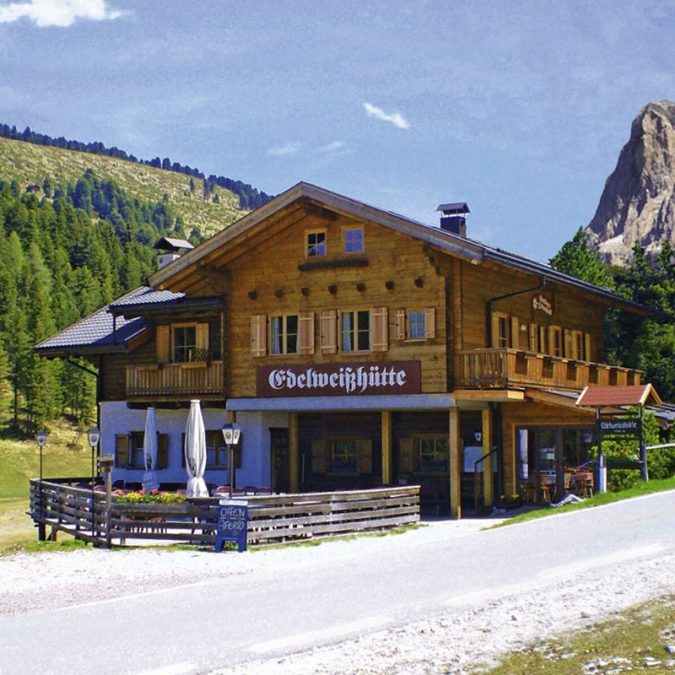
(315, 243)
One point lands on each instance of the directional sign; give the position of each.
(620, 427)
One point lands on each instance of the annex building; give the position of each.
(355, 348)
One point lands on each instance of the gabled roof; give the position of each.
(453, 244)
(601, 397)
(102, 332)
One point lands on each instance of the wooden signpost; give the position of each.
(232, 524)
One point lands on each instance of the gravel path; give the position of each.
(464, 636)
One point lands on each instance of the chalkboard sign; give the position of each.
(232, 523)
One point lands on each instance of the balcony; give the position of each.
(512, 368)
(175, 380)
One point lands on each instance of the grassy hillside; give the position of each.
(31, 164)
(66, 454)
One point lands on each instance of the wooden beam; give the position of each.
(386, 448)
(454, 461)
(217, 279)
(488, 475)
(488, 395)
(312, 209)
(293, 453)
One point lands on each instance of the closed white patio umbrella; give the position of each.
(150, 480)
(195, 452)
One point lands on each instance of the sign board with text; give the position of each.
(232, 525)
(619, 428)
(340, 379)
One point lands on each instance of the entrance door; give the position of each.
(280, 463)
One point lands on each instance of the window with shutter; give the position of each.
(433, 453)
(501, 329)
(587, 347)
(555, 341)
(364, 456)
(319, 460)
(379, 329)
(416, 324)
(258, 335)
(122, 451)
(400, 324)
(163, 334)
(355, 331)
(430, 323)
(162, 451)
(406, 449)
(515, 333)
(328, 331)
(284, 334)
(306, 333)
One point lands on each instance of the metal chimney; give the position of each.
(453, 217)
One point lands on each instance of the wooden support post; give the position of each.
(293, 453)
(387, 473)
(455, 469)
(488, 474)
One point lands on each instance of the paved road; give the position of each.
(200, 627)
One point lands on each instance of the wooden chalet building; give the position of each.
(355, 348)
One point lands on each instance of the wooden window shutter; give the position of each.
(568, 344)
(203, 336)
(162, 451)
(306, 332)
(587, 347)
(364, 456)
(319, 463)
(495, 330)
(122, 450)
(163, 334)
(533, 335)
(430, 323)
(515, 333)
(259, 335)
(406, 447)
(328, 331)
(400, 324)
(379, 333)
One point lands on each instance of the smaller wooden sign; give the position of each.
(542, 303)
(232, 523)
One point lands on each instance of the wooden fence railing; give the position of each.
(272, 518)
(503, 368)
(156, 379)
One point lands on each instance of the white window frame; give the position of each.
(279, 329)
(355, 331)
(317, 248)
(353, 244)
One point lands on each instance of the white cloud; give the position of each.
(335, 146)
(284, 150)
(61, 13)
(395, 118)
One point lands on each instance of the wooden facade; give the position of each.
(312, 282)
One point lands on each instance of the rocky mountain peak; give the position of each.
(638, 202)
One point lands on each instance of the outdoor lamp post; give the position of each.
(94, 436)
(41, 438)
(231, 434)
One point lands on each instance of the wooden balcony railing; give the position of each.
(505, 368)
(175, 379)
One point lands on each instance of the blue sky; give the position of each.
(518, 108)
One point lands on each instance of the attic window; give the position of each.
(353, 240)
(315, 243)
